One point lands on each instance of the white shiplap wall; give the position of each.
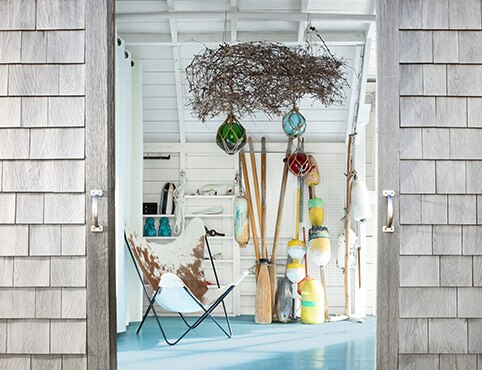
(205, 163)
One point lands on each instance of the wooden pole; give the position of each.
(254, 170)
(281, 202)
(254, 232)
(349, 171)
(279, 217)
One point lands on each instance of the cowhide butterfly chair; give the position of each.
(174, 273)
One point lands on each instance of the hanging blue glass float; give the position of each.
(231, 135)
(294, 124)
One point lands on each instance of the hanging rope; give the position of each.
(179, 202)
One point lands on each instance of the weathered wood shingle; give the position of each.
(42, 185)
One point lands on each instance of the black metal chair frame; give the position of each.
(207, 312)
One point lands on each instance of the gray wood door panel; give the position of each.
(99, 152)
(388, 178)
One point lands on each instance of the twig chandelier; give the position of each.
(242, 79)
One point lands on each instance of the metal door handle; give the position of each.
(389, 194)
(96, 228)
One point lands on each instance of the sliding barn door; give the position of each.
(100, 183)
(56, 296)
(430, 154)
(388, 181)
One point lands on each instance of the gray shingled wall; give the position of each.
(440, 309)
(42, 188)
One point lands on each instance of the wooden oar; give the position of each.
(254, 170)
(254, 231)
(279, 217)
(263, 198)
(263, 291)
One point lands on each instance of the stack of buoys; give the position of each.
(313, 293)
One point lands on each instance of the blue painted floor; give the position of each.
(294, 346)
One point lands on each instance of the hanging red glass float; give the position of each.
(299, 163)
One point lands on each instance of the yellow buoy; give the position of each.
(312, 304)
(317, 211)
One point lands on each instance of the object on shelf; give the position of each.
(360, 200)
(157, 156)
(340, 250)
(312, 305)
(294, 124)
(149, 208)
(150, 227)
(217, 189)
(319, 245)
(209, 211)
(316, 211)
(241, 220)
(166, 207)
(164, 227)
(231, 135)
(179, 210)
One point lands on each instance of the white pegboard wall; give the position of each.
(332, 189)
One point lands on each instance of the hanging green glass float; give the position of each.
(294, 124)
(231, 135)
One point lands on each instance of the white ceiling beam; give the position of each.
(210, 147)
(179, 94)
(240, 15)
(177, 74)
(332, 38)
(354, 85)
(357, 98)
(172, 21)
(233, 21)
(303, 24)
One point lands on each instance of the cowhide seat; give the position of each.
(174, 273)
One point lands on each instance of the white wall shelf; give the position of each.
(159, 216)
(161, 237)
(208, 216)
(209, 196)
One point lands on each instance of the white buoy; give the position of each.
(360, 201)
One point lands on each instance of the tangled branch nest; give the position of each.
(257, 76)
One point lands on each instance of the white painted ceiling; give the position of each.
(166, 34)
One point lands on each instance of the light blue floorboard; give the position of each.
(294, 346)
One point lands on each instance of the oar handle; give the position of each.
(254, 170)
(263, 198)
(250, 206)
